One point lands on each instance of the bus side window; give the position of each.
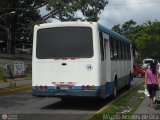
(124, 51)
(119, 50)
(111, 48)
(129, 50)
(115, 49)
(105, 42)
(101, 45)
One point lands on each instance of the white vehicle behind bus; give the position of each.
(79, 59)
(147, 61)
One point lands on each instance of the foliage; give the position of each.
(66, 10)
(148, 41)
(16, 19)
(145, 37)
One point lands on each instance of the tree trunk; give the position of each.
(9, 41)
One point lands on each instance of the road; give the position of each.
(23, 106)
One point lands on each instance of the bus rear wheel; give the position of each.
(114, 94)
(129, 82)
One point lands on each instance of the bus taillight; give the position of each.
(88, 87)
(36, 87)
(83, 87)
(41, 87)
(92, 87)
(45, 87)
(73, 58)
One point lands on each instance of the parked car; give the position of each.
(139, 70)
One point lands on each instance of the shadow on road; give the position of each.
(86, 104)
(79, 104)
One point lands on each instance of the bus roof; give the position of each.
(112, 33)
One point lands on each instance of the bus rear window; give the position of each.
(64, 42)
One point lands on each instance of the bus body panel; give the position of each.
(76, 72)
(61, 72)
(80, 76)
(122, 70)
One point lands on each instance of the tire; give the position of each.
(114, 94)
(129, 83)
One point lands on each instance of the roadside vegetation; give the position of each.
(27, 13)
(143, 36)
(125, 104)
(15, 89)
(7, 73)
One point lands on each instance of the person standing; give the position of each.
(151, 81)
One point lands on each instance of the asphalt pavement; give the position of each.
(23, 102)
(22, 105)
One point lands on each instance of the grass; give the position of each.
(126, 104)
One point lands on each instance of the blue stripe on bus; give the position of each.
(99, 91)
(109, 87)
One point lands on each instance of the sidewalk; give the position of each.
(145, 109)
(15, 83)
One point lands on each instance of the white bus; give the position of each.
(79, 59)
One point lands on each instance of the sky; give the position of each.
(120, 11)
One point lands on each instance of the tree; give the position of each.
(148, 40)
(19, 16)
(127, 26)
(68, 10)
(117, 28)
(16, 17)
(145, 37)
(128, 30)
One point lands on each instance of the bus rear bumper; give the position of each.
(63, 93)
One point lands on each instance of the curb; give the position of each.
(110, 103)
(13, 90)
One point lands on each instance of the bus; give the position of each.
(79, 59)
